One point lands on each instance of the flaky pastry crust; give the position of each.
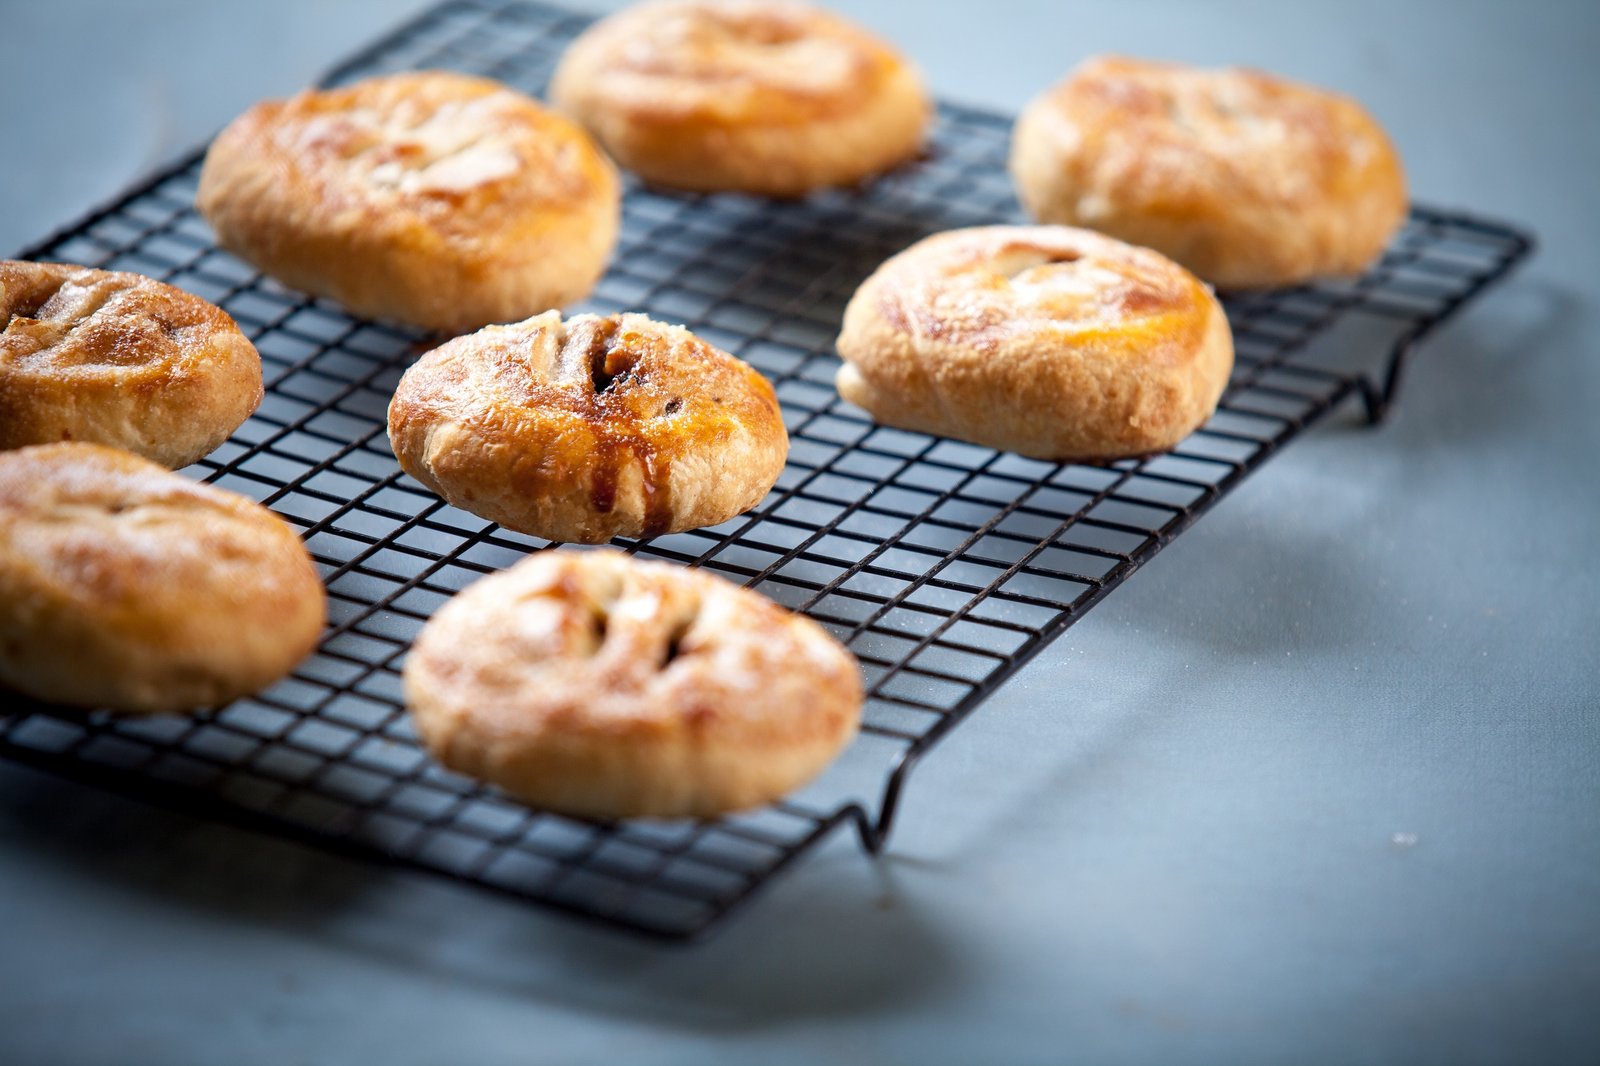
(589, 429)
(125, 586)
(433, 198)
(1247, 179)
(761, 96)
(1052, 342)
(600, 686)
(119, 359)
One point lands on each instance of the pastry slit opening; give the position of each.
(599, 625)
(599, 355)
(1178, 114)
(21, 303)
(608, 365)
(590, 347)
(604, 381)
(770, 31)
(674, 648)
(1020, 262)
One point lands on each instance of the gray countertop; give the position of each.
(1321, 783)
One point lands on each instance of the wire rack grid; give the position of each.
(942, 565)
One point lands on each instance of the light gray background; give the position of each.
(1173, 838)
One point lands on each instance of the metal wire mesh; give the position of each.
(944, 566)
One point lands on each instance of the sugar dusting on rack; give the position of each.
(944, 566)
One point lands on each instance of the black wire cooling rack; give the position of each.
(942, 565)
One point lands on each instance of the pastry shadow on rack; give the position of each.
(856, 942)
(859, 943)
(183, 860)
(778, 255)
(861, 226)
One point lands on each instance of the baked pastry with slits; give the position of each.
(119, 359)
(125, 586)
(1247, 179)
(433, 198)
(761, 96)
(596, 685)
(1052, 342)
(589, 429)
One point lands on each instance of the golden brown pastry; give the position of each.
(759, 96)
(1051, 342)
(589, 429)
(128, 587)
(119, 359)
(1246, 179)
(599, 686)
(432, 198)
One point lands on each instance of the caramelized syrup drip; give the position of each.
(615, 370)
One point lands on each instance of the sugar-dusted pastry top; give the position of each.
(119, 359)
(1245, 178)
(598, 685)
(765, 96)
(464, 153)
(127, 586)
(432, 197)
(589, 428)
(987, 286)
(1053, 342)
